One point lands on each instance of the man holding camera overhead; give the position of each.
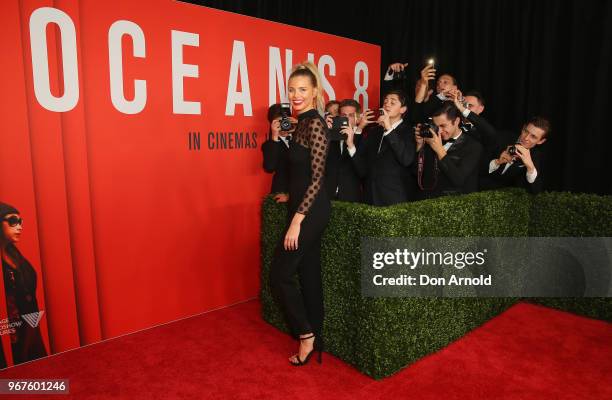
(452, 165)
(445, 84)
(519, 163)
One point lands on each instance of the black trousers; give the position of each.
(303, 308)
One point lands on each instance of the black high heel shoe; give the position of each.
(316, 346)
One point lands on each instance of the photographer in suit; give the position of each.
(448, 158)
(342, 181)
(396, 77)
(475, 125)
(430, 102)
(519, 163)
(385, 155)
(276, 153)
(332, 108)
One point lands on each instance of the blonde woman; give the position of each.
(299, 250)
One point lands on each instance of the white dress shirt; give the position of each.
(395, 125)
(531, 177)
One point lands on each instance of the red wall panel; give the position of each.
(130, 228)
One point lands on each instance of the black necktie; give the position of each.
(448, 141)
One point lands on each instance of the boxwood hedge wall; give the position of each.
(379, 336)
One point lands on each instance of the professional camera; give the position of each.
(425, 132)
(285, 122)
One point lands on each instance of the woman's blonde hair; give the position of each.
(308, 69)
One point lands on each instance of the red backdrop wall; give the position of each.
(126, 225)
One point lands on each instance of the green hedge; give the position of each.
(379, 336)
(573, 215)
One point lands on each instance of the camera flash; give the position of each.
(431, 61)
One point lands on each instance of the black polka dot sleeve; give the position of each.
(317, 142)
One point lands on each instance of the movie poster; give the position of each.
(131, 172)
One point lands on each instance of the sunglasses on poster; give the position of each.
(14, 221)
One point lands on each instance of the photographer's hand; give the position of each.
(365, 120)
(456, 96)
(384, 121)
(418, 138)
(427, 74)
(350, 136)
(435, 142)
(275, 129)
(504, 157)
(329, 120)
(294, 123)
(421, 93)
(396, 67)
(525, 155)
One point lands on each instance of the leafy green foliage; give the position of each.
(380, 336)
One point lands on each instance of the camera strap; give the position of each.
(421, 170)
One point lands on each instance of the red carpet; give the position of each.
(529, 352)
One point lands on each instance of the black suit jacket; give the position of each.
(489, 138)
(516, 174)
(276, 161)
(387, 175)
(422, 111)
(483, 132)
(342, 181)
(457, 171)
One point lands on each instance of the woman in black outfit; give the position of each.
(19, 289)
(299, 250)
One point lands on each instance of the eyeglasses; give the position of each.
(14, 221)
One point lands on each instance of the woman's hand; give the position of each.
(281, 197)
(293, 233)
(291, 238)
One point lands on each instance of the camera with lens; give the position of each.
(515, 154)
(285, 122)
(425, 132)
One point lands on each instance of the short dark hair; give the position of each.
(448, 108)
(331, 103)
(540, 122)
(476, 94)
(400, 95)
(455, 82)
(274, 112)
(350, 103)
